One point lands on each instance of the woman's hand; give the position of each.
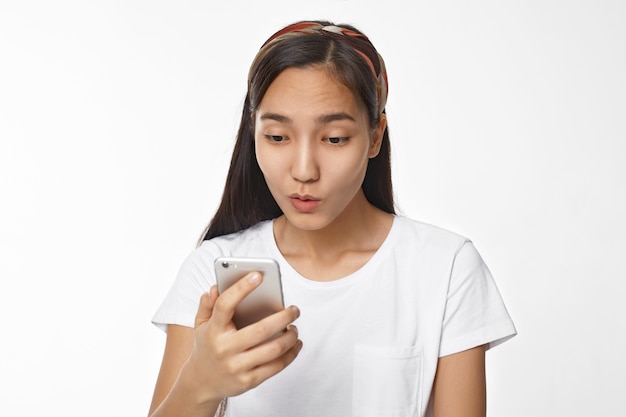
(202, 366)
(225, 361)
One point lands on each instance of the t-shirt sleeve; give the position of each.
(475, 313)
(180, 305)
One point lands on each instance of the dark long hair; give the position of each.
(247, 200)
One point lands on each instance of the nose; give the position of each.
(304, 165)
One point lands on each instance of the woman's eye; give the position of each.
(337, 140)
(275, 138)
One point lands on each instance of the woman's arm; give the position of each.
(460, 387)
(178, 348)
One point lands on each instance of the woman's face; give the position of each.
(313, 143)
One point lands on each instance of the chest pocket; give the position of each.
(387, 381)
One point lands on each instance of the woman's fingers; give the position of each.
(205, 309)
(267, 328)
(269, 350)
(271, 368)
(254, 366)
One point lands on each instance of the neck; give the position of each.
(360, 227)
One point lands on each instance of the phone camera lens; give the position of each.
(225, 264)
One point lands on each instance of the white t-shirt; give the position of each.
(371, 340)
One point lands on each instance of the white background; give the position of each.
(117, 120)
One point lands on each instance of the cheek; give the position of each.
(261, 155)
(348, 171)
(268, 162)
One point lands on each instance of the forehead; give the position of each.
(309, 90)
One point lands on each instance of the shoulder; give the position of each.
(242, 243)
(424, 245)
(417, 235)
(199, 263)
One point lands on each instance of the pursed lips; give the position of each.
(303, 197)
(303, 202)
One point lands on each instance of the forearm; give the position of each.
(181, 401)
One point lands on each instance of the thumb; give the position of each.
(205, 309)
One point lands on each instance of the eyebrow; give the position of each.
(323, 119)
(276, 117)
(327, 118)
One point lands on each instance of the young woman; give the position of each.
(393, 316)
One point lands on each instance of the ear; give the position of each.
(377, 136)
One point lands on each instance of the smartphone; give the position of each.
(264, 300)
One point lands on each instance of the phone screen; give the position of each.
(265, 300)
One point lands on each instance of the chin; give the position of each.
(307, 221)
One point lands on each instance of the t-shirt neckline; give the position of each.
(347, 280)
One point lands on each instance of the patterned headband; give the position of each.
(359, 42)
